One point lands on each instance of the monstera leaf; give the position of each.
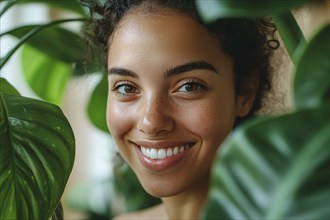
(36, 154)
(274, 169)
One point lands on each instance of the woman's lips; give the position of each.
(160, 159)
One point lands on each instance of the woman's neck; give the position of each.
(188, 204)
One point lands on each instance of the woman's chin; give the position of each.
(161, 190)
(160, 193)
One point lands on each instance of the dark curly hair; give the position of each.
(247, 42)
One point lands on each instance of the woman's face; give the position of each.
(171, 99)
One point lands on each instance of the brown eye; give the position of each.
(191, 87)
(125, 89)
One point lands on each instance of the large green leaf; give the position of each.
(312, 77)
(98, 104)
(46, 76)
(213, 9)
(36, 154)
(54, 41)
(71, 5)
(28, 35)
(274, 169)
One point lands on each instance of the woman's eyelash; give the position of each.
(192, 86)
(127, 88)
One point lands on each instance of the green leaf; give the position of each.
(7, 88)
(54, 41)
(312, 78)
(46, 76)
(211, 10)
(36, 153)
(98, 104)
(58, 214)
(279, 10)
(71, 5)
(274, 169)
(29, 35)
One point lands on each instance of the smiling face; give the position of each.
(171, 99)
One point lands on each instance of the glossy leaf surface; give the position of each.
(98, 104)
(312, 77)
(274, 169)
(36, 153)
(46, 76)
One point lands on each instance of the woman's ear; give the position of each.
(245, 99)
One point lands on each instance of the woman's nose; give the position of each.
(155, 117)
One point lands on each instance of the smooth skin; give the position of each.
(170, 84)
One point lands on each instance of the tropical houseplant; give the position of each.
(278, 167)
(47, 68)
(268, 168)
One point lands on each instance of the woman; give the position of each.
(177, 87)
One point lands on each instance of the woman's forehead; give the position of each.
(157, 21)
(163, 34)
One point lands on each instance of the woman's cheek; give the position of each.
(117, 120)
(212, 121)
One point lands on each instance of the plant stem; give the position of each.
(290, 33)
(7, 6)
(31, 33)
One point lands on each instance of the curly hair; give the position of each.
(247, 42)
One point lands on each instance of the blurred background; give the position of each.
(88, 191)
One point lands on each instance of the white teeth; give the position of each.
(169, 152)
(176, 151)
(163, 152)
(153, 154)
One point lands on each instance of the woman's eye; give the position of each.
(191, 87)
(125, 89)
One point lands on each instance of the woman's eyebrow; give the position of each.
(198, 65)
(122, 72)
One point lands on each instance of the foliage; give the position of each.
(36, 154)
(267, 169)
(278, 167)
(46, 42)
(47, 68)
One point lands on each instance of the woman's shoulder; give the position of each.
(154, 212)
